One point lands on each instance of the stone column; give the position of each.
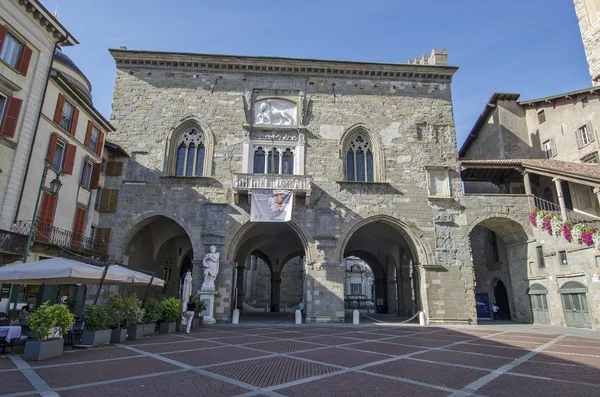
(325, 292)
(561, 198)
(275, 290)
(197, 274)
(597, 192)
(240, 286)
(526, 182)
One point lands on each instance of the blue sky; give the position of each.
(531, 47)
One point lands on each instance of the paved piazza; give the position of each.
(322, 360)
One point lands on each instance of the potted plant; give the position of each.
(151, 315)
(200, 307)
(97, 330)
(45, 323)
(134, 316)
(171, 313)
(115, 307)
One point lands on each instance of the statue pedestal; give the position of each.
(208, 297)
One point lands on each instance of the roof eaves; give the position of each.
(566, 95)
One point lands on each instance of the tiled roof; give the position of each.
(586, 170)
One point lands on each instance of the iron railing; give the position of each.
(11, 242)
(62, 238)
(574, 215)
(267, 181)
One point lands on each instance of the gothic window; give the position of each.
(190, 153)
(259, 161)
(287, 162)
(278, 160)
(359, 160)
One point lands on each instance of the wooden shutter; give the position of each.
(78, 228)
(24, 61)
(11, 117)
(553, 146)
(100, 143)
(114, 168)
(74, 121)
(60, 103)
(591, 134)
(577, 138)
(52, 147)
(95, 176)
(110, 197)
(3, 32)
(88, 134)
(102, 236)
(46, 215)
(70, 159)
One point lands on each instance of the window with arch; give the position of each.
(359, 159)
(273, 160)
(190, 153)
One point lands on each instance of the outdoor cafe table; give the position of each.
(9, 333)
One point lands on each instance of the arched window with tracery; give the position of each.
(190, 154)
(273, 160)
(259, 161)
(287, 162)
(359, 159)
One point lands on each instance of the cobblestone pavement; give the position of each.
(321, 360)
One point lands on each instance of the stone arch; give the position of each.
(135, 224)
(500, 225)
(420, 251)
(237, 235)
(351, 133)
(174, 134)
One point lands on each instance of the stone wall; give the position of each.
(589, 22)
(411, 118)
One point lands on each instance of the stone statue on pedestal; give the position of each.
(211, 269)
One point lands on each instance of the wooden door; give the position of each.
(539, 307)
(78, 229)
(577, 313)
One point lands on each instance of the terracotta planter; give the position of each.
(41, 350)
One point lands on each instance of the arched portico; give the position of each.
(499, 249)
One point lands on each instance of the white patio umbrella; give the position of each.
(58, 271)
(186, 291)
(133, 276)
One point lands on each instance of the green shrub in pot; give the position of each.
(133, 312)
(171, 309)
(96, 318)
(152, 311)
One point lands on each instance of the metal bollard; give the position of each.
(298, 317)
(422, 318)
(355, 317)
(236, 317)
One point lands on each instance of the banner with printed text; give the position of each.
(271, 205)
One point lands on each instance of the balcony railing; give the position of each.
(12, 243)
(300, 183)
(574, 215)
(62, 238)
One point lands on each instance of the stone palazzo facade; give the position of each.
(369, 150)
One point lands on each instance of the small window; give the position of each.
(92, 232)
(86, 176)
(355, 289)
(11, 50)
(562, 257)
(495, 251)
(540, 255)
(585, 135)
(94, 138)
(549, 148)
(591, 158)
(3, 102)
(59, 155)
(541, 117)
(98, 199)
(103, 168)
(67, 116)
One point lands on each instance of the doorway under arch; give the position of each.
(501, 300)
(162, 246)
(269, 257)
(389, 252)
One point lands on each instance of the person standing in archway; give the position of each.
(189, 313)
(495, 309)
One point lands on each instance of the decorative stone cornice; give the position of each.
(125, 58)
(49, 22)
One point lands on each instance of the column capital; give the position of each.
(524, 172)
(597, 190)
(555, 180)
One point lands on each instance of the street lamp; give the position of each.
(55, 186)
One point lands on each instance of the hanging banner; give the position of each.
(482, 304)
(271, 205)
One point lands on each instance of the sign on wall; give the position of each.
(482, 302)
(271, 205)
